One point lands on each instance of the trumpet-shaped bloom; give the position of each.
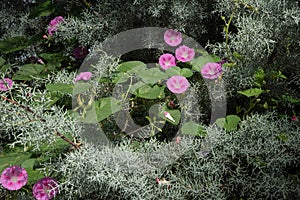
(184, 53)
(83, 76)
(14, 178)
(211, 70)
(177, 84)
(56, 21)
(45, 188)
(6, 84)
(52, 28)
(166, 61)
(172, 37)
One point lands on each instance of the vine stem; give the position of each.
(41, 119)
(226, 28)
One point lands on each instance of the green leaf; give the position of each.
(106, 107)
(152, 75)
(2, 61)
(173, 71)
(216, 58)
(198, 63)
(80, 88)
(91, 115)
(291, 99)
(132, 66)
(13, 44)
(237, 55)
(28, 72)
(148, 92)
(121, 78)
(259, 77)
(251, 92)
(53, 58)
(13, 158)
(192, 128)
(34, 175)
(60, 87)
(29, 163)
(176, 114)
(230, 122)
(186, 72)
(4, 68)
(42, 10)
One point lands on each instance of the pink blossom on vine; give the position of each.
(177, 84)
(172, 37)
(45, 188)
(14, 178)
(184, 53)
(83, 76)
(211, 70)
(166, 61)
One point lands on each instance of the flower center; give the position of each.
(14, 179)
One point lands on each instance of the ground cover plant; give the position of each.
(149, 99)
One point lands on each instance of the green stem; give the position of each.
(226, 28)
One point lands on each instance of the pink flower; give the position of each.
(45, 36)
(53, 23)
(80, 52)
(294, 118)
(184, 53)
(83, 76)
(56, 21)
(211, 70)
(177, 84)
(45, 188)
(6, 84)
(51, 30)
(14, 178)
(166, 61)
(40, 61)
(172, 37)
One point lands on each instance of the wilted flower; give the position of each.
(6, 84)
(45, 188)
(184, 53)
(80, 52)
(166, 61)
(83, 76)
(172, 37)
(177, 84)
(14, 178)
(211, 70)
(53, 23)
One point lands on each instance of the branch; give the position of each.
(41, 119)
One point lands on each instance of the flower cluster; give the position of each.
(15, 177)
(52, 27)
(176, 84)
